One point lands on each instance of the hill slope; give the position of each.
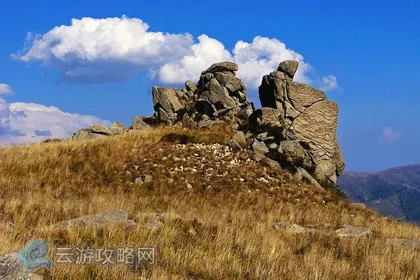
(221, 206)
(394, 192)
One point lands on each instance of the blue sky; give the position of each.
(364, 54)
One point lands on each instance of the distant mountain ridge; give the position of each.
(393, 192)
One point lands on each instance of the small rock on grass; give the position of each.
(351, 231)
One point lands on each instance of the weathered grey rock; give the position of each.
(191, 86)
(217, 95)
(304, 114)
(138, 123)
(154, 224)
(303, 175)
(351, 231)
(139, 181)
(289, 68)
(94, 220)
(230, 82)
(302, 96)
(269, 162)
(223, 91)
(86, 134)
(222, 67)
(166, 103)
(117, 128)
(267, 119)
(317, 126)
(101, 129)
(265, 136)
(293, 152)
(11, 269)
(272, 145)
(145, 179)
(259, 147)
(256, 156)
(278, 75)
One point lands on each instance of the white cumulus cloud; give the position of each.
(5, 89)
(104, 50)
(22, 123)
(114, 49)
(329, 83)
(204, 53)
(389, 135)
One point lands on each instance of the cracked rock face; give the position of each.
(218, 95)
(220, 86)
(167, 103)
(307, 116)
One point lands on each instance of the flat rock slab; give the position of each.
(154, 224)
(408, 243)
(351, 231)
(95, 219)
(11, 269)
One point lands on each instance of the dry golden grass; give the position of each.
(46, 183)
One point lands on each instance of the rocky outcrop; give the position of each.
(294, 129)
(218, 96)
(167, 103)
(117, 128)
(87, 134)
(303, 123)
(221, 88)
(139, 123)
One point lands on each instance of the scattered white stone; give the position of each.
(264, 180)
(148, 178)
(138, 181)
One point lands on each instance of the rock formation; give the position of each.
(307, 120)
(218, 95)
(294, 129)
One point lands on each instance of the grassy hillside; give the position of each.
(221, 228)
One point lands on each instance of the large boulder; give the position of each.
(293, 152)
(117, 128)
(223, 66)
(86, 134)
(289, 68)
(306, 116)
(100, 129)
(138, 123)
(167, 103)
(219, 86)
